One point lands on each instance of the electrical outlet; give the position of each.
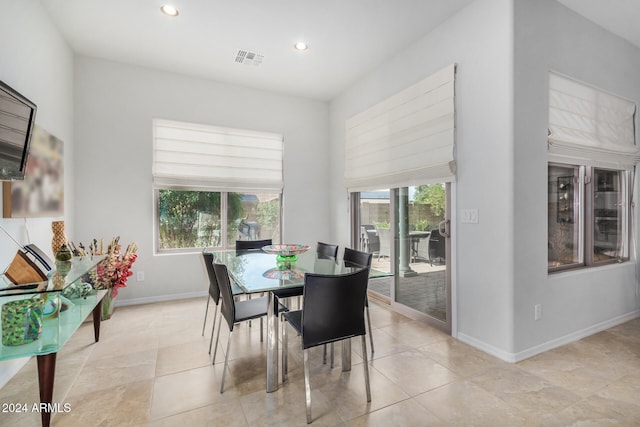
(537, 312)
(140, 276)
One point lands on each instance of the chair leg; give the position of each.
(215, 312)
(307, 385)
(331, 355)
(285, 350)
(261, 329)
(370, 331)
(215, 350)
(226, 361)
(365, 363)
(205, 315)
(324, 354)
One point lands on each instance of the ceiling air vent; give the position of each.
(248, 58)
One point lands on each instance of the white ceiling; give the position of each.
(347, 38)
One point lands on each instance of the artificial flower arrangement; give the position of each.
(114, 270)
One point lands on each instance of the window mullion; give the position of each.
(586, 225)
(224, 223)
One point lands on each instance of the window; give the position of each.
(214, 186)
(592, 156)
(192, 219)
(588, 216)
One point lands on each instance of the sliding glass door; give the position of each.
(407, 231)
(375, 237)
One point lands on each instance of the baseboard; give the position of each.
(487, 348)
(575, 336)
(160, 298)
(549, 345)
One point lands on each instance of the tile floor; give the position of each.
(152, 368)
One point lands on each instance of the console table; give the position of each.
(58, 327)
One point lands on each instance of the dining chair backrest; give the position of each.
(333, 307)
(214, 290)
(228, 309)
(326, 250)
(351, 256)
(245, 245)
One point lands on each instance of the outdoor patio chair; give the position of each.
(436, 247)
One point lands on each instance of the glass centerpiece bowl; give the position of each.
(287, 254)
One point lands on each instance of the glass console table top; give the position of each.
(56, 282)
(56, 329)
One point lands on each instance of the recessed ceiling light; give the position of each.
(301, 46)
(169, 10)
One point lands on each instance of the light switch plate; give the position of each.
(469, 216)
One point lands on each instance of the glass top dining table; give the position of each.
(256, 271)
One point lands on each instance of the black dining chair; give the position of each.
(333, 310)
(236, 311)
(352, 257)
(245, 245)
(326, 250)
(214, 293)
(323, 251)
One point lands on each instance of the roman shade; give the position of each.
(215, 158)
(591, 127)
(405, 140)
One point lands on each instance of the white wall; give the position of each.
(114, 106)
(479, 39)
(549, 36)
(36, 61)
(504, 50)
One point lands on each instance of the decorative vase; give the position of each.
(64, 253)
(286, 262)
(108, 304)
(59, 237)
(63, 267)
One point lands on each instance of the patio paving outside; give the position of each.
(424, 292)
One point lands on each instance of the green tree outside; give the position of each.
(191, 219)
(432, 195)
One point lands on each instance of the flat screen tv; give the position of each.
(17, 117)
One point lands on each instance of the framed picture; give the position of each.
(41, 193)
